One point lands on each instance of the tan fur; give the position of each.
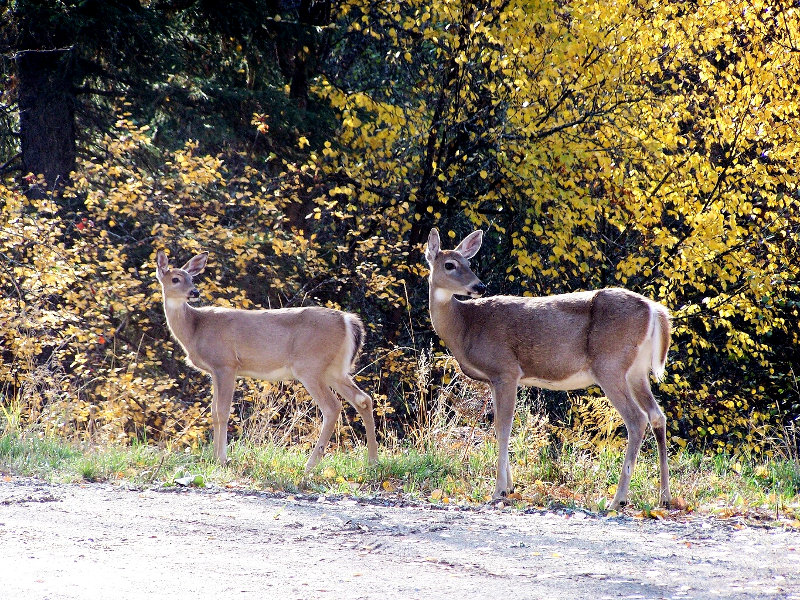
(316, 346)
(612, 337)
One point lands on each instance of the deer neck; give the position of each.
(447, 318)
(181, 319)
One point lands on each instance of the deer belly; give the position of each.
(280, 374)
(576, 381)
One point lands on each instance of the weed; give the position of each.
(449, 454)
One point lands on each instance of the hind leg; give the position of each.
(618, 392)
(362, 402)
(658, 421)
(331, 408)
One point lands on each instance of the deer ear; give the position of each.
(196, 265)
(434, 246)
(162, 264)
(470, 245)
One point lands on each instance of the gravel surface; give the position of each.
(113, 542)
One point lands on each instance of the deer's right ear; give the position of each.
(162, 264)
(196, 264)
(434, 246)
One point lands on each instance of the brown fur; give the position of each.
(611, 337)
(316, 346)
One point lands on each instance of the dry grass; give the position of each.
(448, 453)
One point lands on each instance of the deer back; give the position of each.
(266, 344)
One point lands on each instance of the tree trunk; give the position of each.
(311, 15)
(47, 115)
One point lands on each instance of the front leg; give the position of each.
(504, 394)
(224, 381)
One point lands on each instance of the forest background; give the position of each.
(310, 146)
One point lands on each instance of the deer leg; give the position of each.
(658, 421)
(505, 397)
(224, 381)
(331, 408)
(362, 402)
(636, 423)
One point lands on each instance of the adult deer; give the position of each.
(612, 337)
(313, 345)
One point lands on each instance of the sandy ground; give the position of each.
(111, 542)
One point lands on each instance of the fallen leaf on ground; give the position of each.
(679, 504)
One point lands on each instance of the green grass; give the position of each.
(563, 474)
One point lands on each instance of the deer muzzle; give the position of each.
(478, 289)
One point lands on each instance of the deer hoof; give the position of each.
(617, 505)
(500, 499)
(498, 502)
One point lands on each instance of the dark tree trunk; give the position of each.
(47, 115)
(311, 14)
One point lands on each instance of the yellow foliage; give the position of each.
(645, 144)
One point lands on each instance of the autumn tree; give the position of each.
(625, 144)
(634, 143)
(195, 70)
(68, 56)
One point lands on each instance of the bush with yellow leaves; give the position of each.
(644, 144)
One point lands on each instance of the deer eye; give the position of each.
(449, 266)
(176, 280)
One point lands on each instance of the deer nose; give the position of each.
(194, 293)
(479, 288)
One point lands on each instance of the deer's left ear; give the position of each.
(434, 246)
(470, 245)
(196, 264)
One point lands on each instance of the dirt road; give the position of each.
(105, 541)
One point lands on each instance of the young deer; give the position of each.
(313, 345)
(610, 337)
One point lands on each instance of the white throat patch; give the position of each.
(440, 295)
(173, 304)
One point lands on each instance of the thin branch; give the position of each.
(16, 55)
(97, 92)
(6, 164)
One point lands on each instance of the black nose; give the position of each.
(479, 288)
(194, 294)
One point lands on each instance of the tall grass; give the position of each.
(449, 455)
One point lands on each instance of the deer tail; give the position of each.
(355, 338)
(661, 331)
